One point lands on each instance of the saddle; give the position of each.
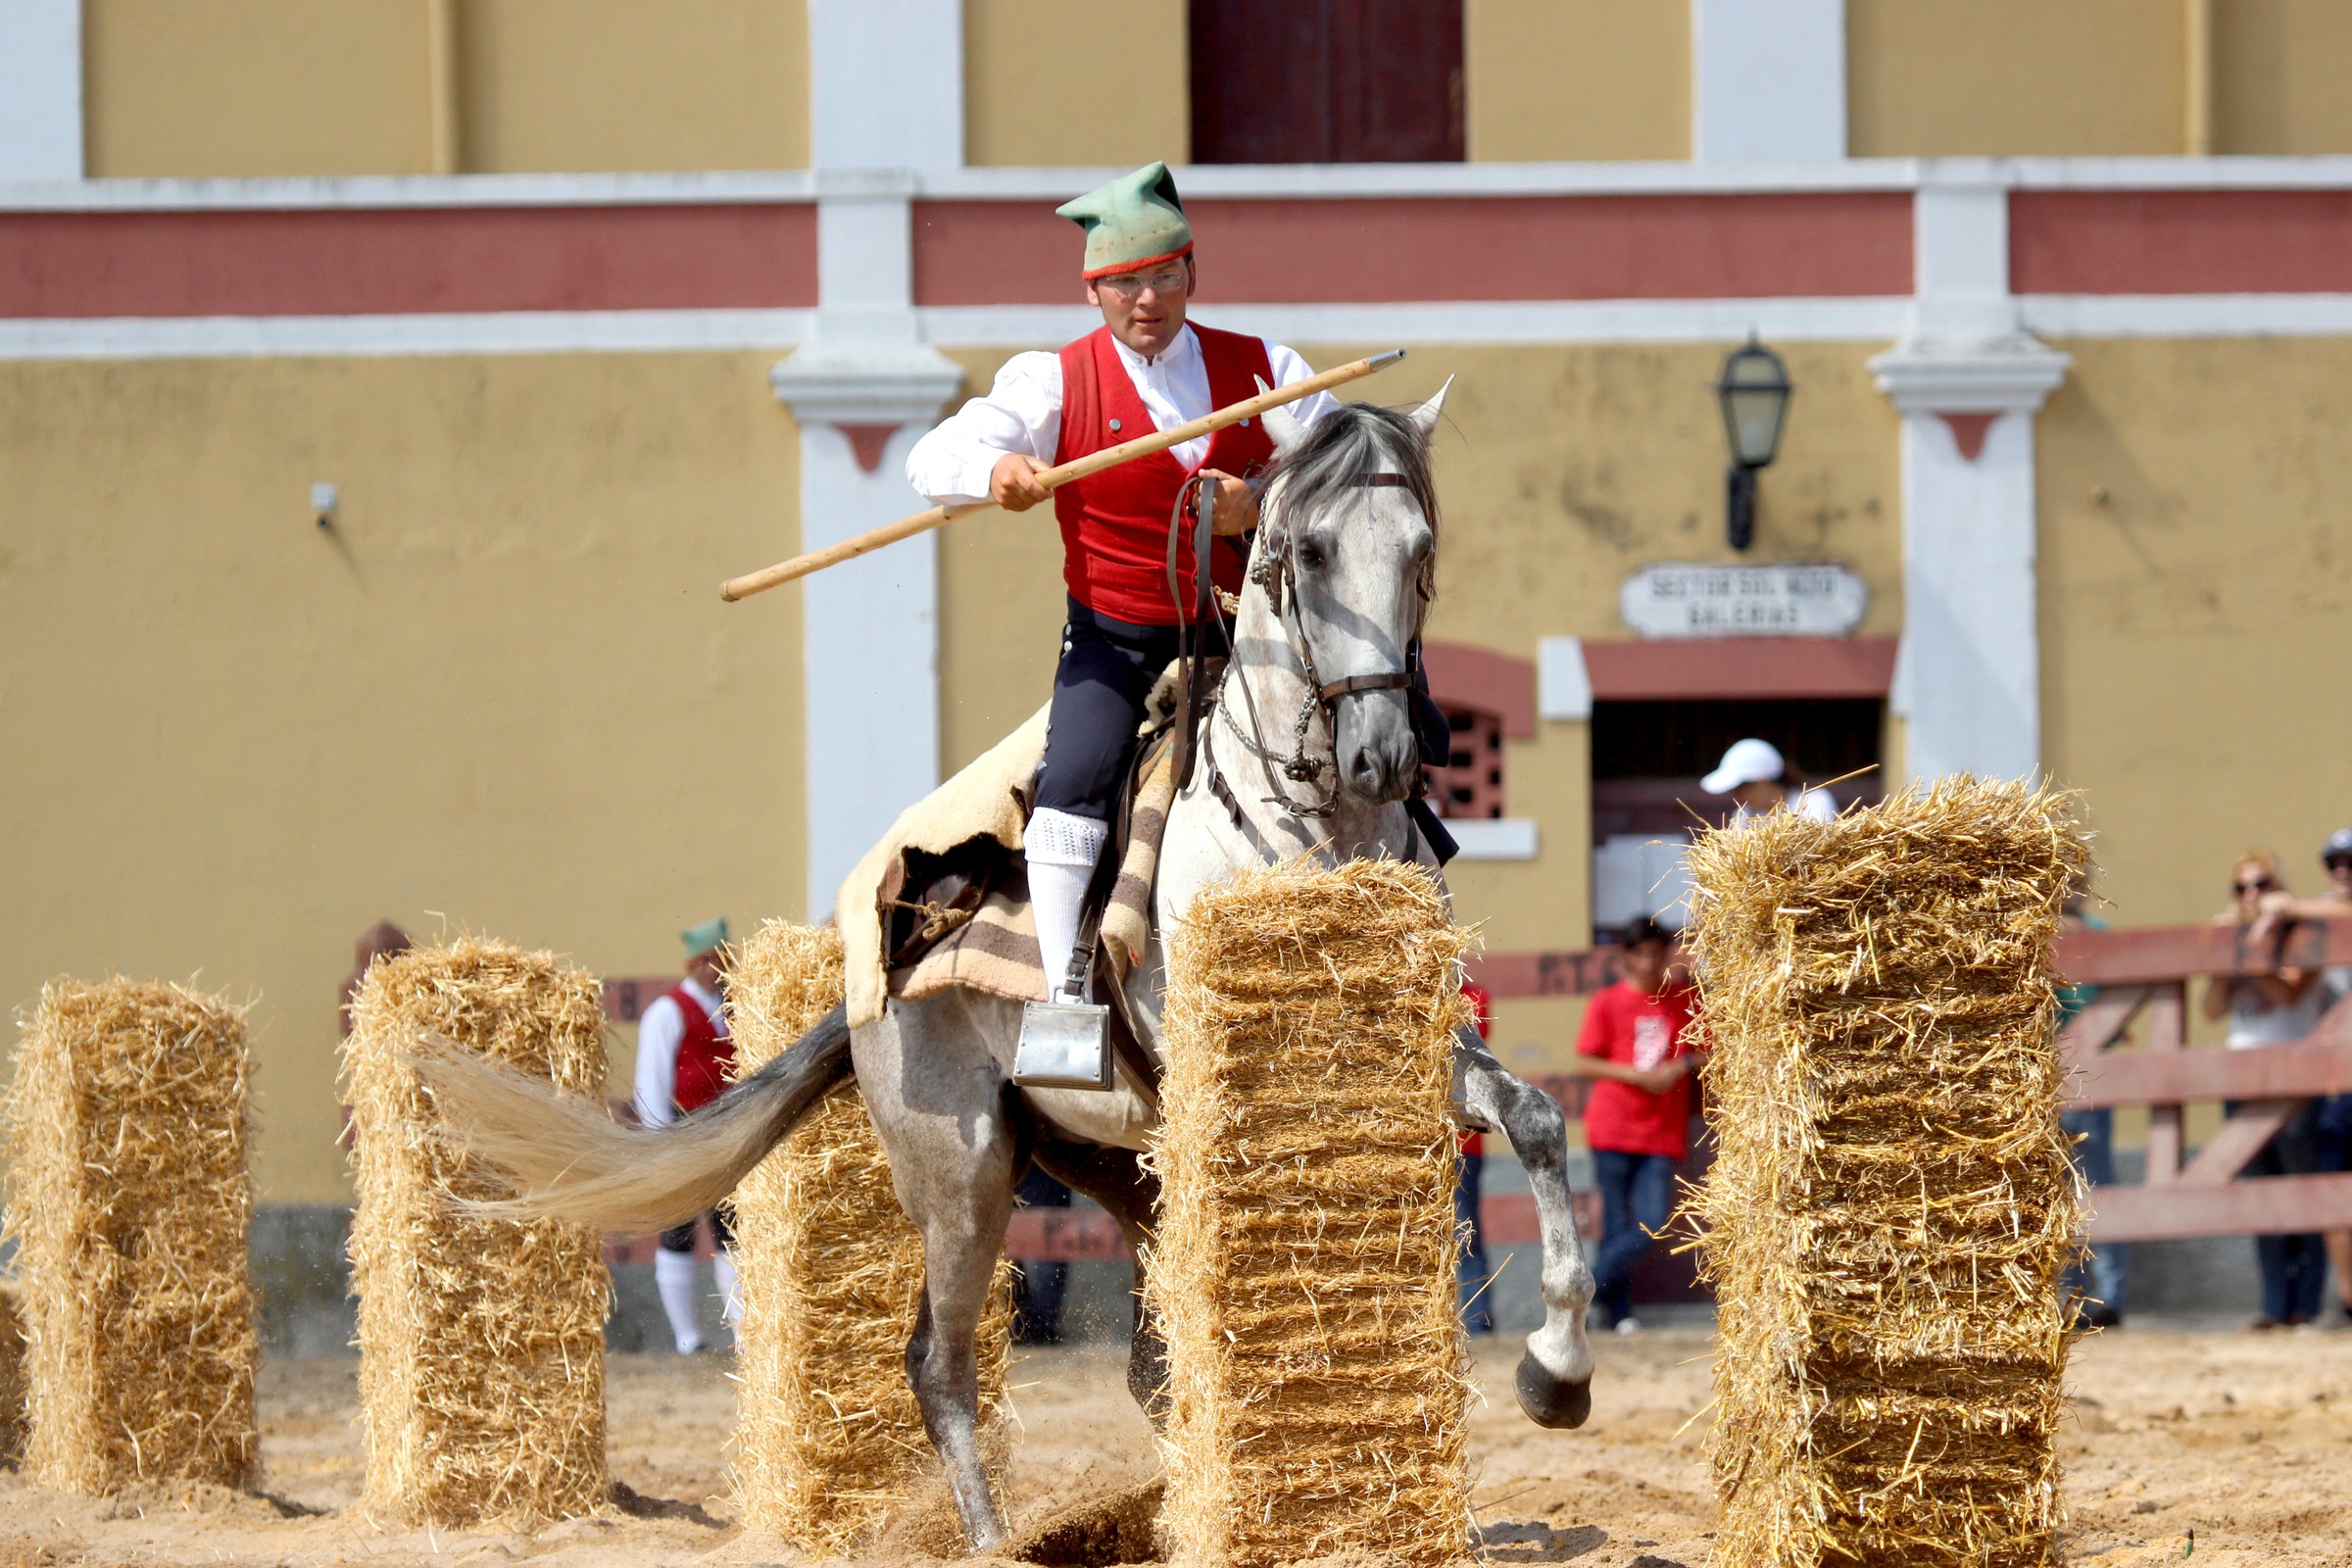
(943, 902)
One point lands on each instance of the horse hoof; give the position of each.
(1549, 1402)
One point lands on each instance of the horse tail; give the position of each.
(565, 1158)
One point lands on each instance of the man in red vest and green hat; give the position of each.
(1146, 369)
(684, 1057)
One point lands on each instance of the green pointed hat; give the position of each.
(1135, 221)
(711, 935)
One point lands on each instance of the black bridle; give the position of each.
(1276, 573)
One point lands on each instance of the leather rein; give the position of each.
(1276, 573)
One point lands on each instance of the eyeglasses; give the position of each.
(2338, 863)
(1127, 286)
(2258, 885)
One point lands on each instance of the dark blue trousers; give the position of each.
(1478, 1316)
(1637, 1197)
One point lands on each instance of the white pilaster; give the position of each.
(1969, 677)
(886, 91)
(886, 83)
(870, 626)
(1960, 254)
(40, 89)
(1767, 80)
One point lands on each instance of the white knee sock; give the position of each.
(729, 1286)
(1063, 851)
(673, 1277)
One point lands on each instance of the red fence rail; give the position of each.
(2143, 974)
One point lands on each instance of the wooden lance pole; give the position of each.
(767, 578)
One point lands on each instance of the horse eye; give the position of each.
(1310, 557)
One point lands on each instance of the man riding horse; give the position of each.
(1146, 368)
(1310, 747)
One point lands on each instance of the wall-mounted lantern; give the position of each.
(1753, 390)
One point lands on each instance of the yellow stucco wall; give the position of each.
(617, 84)
(2279, 74)
(174, 87)
(2196, 590)
(1944, 78)
(1561, 471)
(258, 88)
(1576, 79)
(501, 693)
(1076, 81)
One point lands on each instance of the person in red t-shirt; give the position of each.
(1638, 1040)
(1470, 1147)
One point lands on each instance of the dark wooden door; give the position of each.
(1327, 81)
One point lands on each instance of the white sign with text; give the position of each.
(1785, 599)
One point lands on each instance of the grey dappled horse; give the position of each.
(1313, 743)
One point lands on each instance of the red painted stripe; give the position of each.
(1697, 667)
(1389, 250)
(347, 262)
(2180, 242)
(1484, 679)
(1564, 973)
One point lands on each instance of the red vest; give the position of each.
(705, 1055)
(1114, 525)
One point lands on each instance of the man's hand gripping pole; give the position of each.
(749, 583)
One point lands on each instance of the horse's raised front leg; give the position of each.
(1555, 1375)
(937, 1099)
(1115, 1178)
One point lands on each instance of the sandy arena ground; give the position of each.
(2247, 1441)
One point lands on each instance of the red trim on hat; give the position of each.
(1101, 272)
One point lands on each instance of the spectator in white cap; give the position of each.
(1755, 775)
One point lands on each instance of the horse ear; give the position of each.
(1425, 418)
(1288, 434)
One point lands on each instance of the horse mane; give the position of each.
(1355, 439)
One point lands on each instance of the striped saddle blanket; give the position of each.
(944, 900)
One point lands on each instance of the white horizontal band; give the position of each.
(1476, 322)
(1546, 321)
(1230, 181)
(2187, 315)
(482, 333)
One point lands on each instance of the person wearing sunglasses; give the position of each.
(1148, 368)
(2274, 1009)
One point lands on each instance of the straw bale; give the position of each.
(828, 1439)
(1891, 1204)
(1303, 1270)
(481, 1340)
(128, 1201)
(12, 1376)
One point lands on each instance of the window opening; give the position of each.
(1470, 784)
(1648, 756)
(1326, 81)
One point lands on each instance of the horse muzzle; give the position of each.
(1378, 756)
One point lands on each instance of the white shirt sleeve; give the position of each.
(1819, 805)
(659, 1029)
(1021, 414)
(1289, 371)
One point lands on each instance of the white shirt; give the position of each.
(660, 1028)
(2257, 1020)
(1815, 804)
(1022, 414)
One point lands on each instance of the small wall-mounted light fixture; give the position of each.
(1753, 390)
(324, 499)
